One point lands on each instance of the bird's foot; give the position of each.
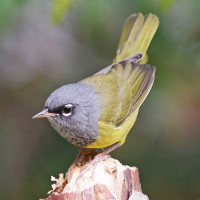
(97, 158)
(84, 156)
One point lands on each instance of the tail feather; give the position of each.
(136, 36)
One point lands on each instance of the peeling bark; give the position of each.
(106, 180)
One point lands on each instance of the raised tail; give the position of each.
(137, 33)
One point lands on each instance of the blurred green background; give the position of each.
(37, 56)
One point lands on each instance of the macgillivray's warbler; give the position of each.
(100, 110)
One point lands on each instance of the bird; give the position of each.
(99, 111)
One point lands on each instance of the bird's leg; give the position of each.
(99, 157)
(81, 157)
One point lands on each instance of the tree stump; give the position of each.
(108, 179)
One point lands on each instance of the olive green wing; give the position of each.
(122, 90)
(135, 82)
(134, 58)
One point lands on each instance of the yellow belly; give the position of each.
(109, 134)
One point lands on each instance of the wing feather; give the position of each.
(135, 82)
(122, 90)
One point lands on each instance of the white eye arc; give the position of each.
(67, 110)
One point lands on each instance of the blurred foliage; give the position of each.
(37, 57)
(7, 7)
(166, 4)
(60, 7)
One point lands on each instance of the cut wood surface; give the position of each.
(108, 179)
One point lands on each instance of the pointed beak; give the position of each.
(44, 113)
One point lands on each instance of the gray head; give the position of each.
(73, 111)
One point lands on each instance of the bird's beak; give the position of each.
(44, 113)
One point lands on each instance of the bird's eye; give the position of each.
(67, 110)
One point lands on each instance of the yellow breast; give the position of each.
(109, 134)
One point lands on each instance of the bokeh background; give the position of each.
(38, 55)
